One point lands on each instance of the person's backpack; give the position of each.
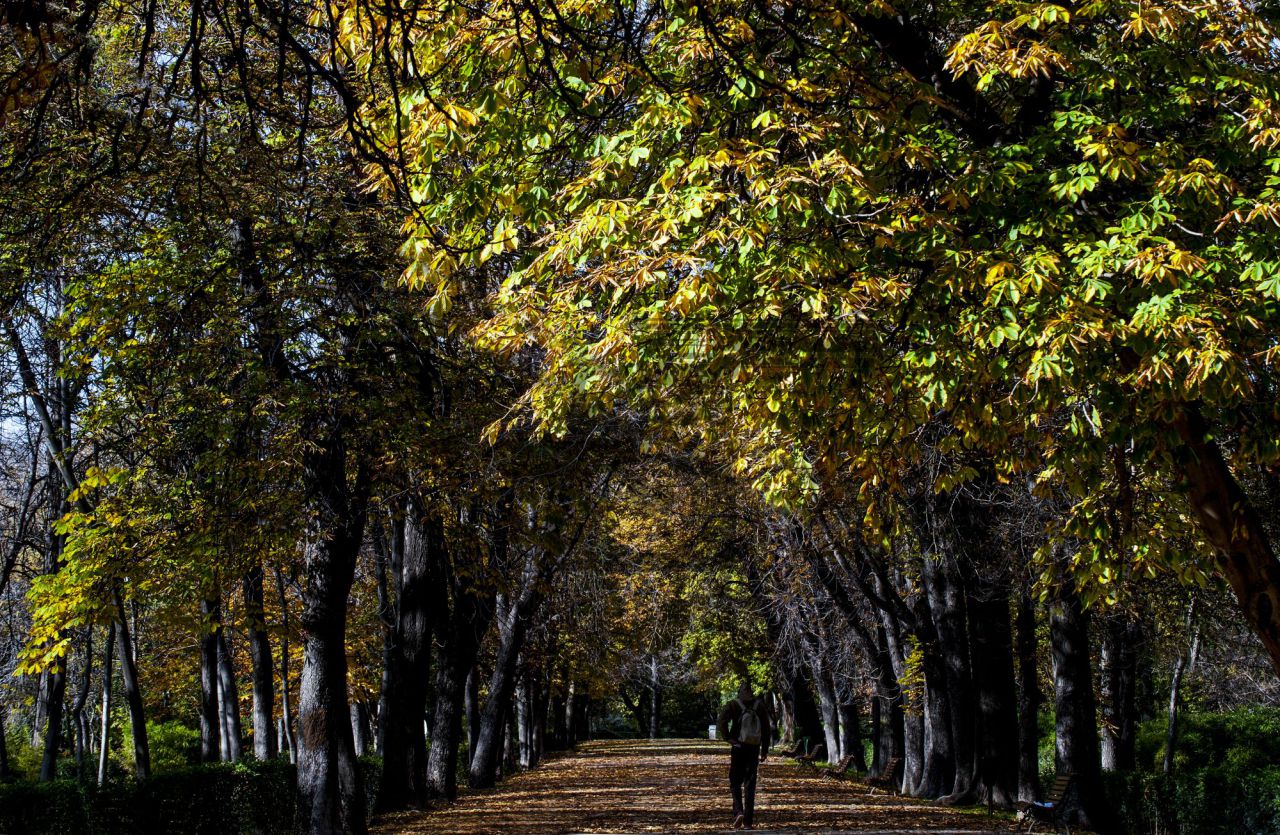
(750, 731)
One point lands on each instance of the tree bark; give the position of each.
(132, 693)
(946, 603)
(1029, 699)
(851, 734)
(331, 796)
(82, 724)
(286, 709)
(55, 697)
(1185, 663)
(1118, 686)
(1231, 524)
(1077, 718)
(104, 747)
(228, 701)
(404, 745)
(264, 736)
(211, 744)
(996, 775)
(655, 699)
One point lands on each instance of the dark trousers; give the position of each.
(744, 763)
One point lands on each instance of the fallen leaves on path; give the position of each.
(680, 786)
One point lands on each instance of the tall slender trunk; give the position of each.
(1186, 663)
(1029, 698)
(655, 698)
(228, 701)
(827, 704)
(1077, 718)
(264, 697)
(5, 772)
(913, 729)
(132, 692)
(473, 710)
(211, 744)
(82, 725)
(286, 709)
(489, 743)
(104, 747)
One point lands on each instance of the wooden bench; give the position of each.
(791, 752)
(818, 754)
(1052, 808)
(838, 770)
(887, 779)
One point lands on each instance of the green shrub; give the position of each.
(253, 798)
(1226, 777)
(173, 746)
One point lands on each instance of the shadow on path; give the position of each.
(677, 786)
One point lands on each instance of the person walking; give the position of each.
(746, 724)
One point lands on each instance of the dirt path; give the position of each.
(678, 786)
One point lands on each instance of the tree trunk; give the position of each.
(286, 710)
(996, 778)
(655, 699)
(5, 772)
(1118, 685)
(830, 713)
(404, 744)
(946, 604)
(488, 751)
(1029, 699)
(331, 795)
(84, 742)
(211, 744)
(228, 701)
(104, 747)
(1185, 663)
(55, 695)
(851, 735)
(132, 693)
(1231, 524)
(1077, 719)
(473, 709)
(264, 698)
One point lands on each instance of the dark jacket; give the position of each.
(730, 719)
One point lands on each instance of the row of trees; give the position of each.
(978, 297)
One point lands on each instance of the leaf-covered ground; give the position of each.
(678, 786)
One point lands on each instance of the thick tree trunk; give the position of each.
(996, 777)
(228, 701)
(1029, 699)
(264, 735)
(895, 650)
(830, 709)
(1077, 719)
(851, 734)
(330, 792)
(211, 744)
(946, 603)
(939, 758)
(463, 615)
(132, 693)
(104, 746)
(1231, 524)
(1118, 676)
(404, 744)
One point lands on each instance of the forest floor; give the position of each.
(680, 786)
